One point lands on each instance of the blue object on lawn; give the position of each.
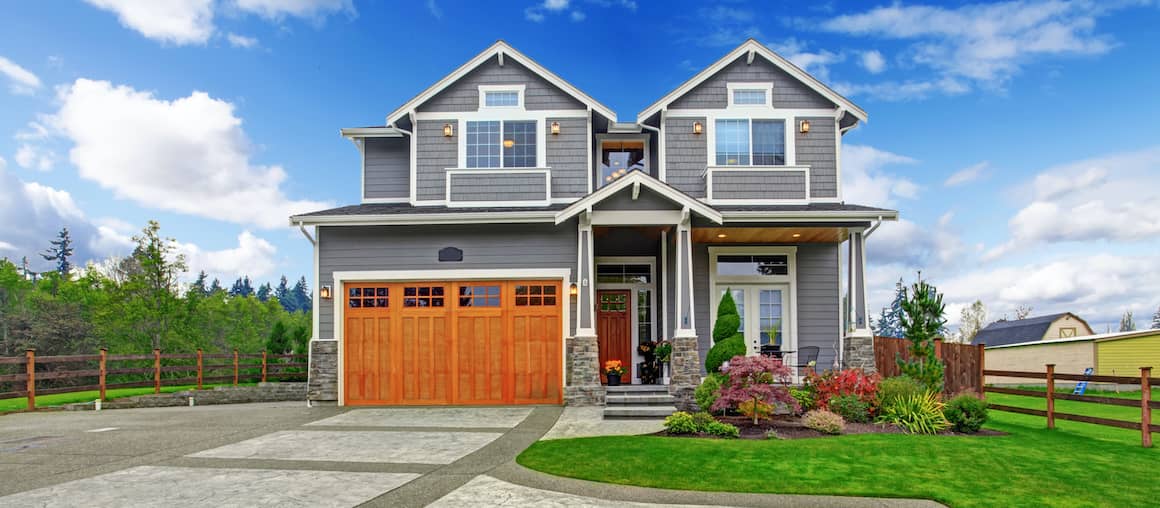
(1081, 386)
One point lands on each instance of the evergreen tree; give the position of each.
(282, 293)
(728, 340)
(278, 342)
(1156, 319)
(264, 292)
(60, 251)
(153, 286)
(301, 296)
(1126, 322)
(242, 287)
(300, 338)
(922, 320)
(197, 287)
(216, 286)
(889, 323)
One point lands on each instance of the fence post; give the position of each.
(30, 354)
(235, 367)
(938, 349)
(103, 370)
(156, 371)
(1051, 395)
(1145, 405)
(199, 368)
(263, 366)
(982, 367)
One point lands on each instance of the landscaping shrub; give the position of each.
(759, 379)
(804, 398)
(724, 351)
(722, 430)
(702, 420)
(845, 382)
(706, 393)
(727, 340)
(922, 320)
(918, 414)
(680, 423)
(894, 388)
(966, 413)
(824, 421)
(850, 408)
(764, 411)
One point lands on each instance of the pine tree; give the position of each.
(282, 293)
(264, 292)
(1126, 322)
(889, 323)
(242, 287)
(301, 296)
(922, 319)
(216, 286)
(60, 251)
(197, 287)
(1156, 319)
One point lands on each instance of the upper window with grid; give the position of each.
(743, 142)
(501, 99)
(749, 97)
(535, 296)
(495, 144)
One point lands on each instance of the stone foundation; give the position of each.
(686, 372)
(323, 380)
(859, 353)
(582, 387)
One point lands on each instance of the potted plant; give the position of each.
(664, 352)
(613, 369)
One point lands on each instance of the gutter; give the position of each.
(872, 228)
(302, 228)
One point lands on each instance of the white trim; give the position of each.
(362, 168)
(742, 110)
(789, 280)
(665, 283)
(503, 117)
(500, 47)
(841, 312)
(752, 45)
(485, 89)
(501, 113)
(602, 137)
(562, 274)
(749, 116)
(808, 216)
(767, 88)
(661, 155)
(837, 151)
(591, 168)
(528, 216)
(369, 201)
(353, 133)
(452, 172)
(634, 177)
(711, 170)
(413, 181)
(635, 217)
(317, 286)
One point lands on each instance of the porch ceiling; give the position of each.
(769, 235)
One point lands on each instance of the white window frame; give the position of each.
(717, 282)
(511, 116)
(484, 89)
(767, 88)
(750, 118)
(601, 138)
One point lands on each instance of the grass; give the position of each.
(1130, 414)
(1076, 465)
(60, 399)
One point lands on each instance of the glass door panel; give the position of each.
(770, 316)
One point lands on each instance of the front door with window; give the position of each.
(614, 330)
(764, 316)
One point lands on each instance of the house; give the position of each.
(514, 234)
(1053, 326)
(1108, 354)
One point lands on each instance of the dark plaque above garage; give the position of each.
(450, 254)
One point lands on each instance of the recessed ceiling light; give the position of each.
(721, 235)
(797, 235)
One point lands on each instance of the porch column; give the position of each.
(686, 360)
(858, 347)
(583, 355)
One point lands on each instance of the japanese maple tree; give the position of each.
(756, 379)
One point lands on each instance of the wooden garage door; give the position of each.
(437, 343)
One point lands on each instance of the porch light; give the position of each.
(797, 235)
(721, 235)
(448, 130)
(508, 143)
(698, 127)
(555, 128)
(804, 126)
(324, 292)
(572, 291)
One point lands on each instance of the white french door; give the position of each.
(765, 316)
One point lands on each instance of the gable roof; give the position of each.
(1103, 337)
(1001, 333)
(638, 177)
(503, 50)
(754, 48)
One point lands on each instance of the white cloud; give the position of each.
(902, 90)
(3, 164)
(534, 15)
(242, 41)
(188, 155)
(278, 9)
(813, 62)
(35, 131)
(864, 182)
(173, 21)
(30, 156)
(20, 80)
(578, 16)
(967, 174)
(873, 61)
(434, 9)
(723, 26)
(555, 5)
(253, 256)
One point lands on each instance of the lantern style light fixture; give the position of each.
(572, 290)
(722, 235)
(797, 235)
(324, 292)
(448, 130)
(555, 128)
(804, 126)
(698, 127)
(508, 143)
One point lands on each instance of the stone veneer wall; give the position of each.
(264, 392)
(686, 372)
(859, 353)
(323, 381)
(582, 378)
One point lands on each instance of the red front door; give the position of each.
(614, 331)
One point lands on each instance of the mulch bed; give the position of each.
(790, 427)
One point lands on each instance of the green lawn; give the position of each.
(1077, 464)
(60, 399)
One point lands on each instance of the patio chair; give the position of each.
(805, 355)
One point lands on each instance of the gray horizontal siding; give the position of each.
(759, 185)
(498, 187)
(788, 92)
(435, 153)
(463, 95)
(686, 155)
(568, 157)
(513, 246)
(387, 167)
(818, 150)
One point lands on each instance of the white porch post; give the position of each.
(685, 360)
(858, 345)
(583, 355)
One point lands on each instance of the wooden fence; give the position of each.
(1146, 404)
(963, 363)
(221, 368)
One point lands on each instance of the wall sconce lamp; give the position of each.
(448, 130)
(555, 128)
(698, 127)
(508, 143)
(572, 290)
(324, 292)
(804, 126)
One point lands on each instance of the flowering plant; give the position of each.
(614, 367)
(845, 382)
(755, 380)
(647, 348)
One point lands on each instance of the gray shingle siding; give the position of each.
(567, 156)
(818, 150)
(434, 155)
(498, 187)
(788, 92)
(759, 185)
(514, 246)
(686, 156)
(387, 167)
(463, 95)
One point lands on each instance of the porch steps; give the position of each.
(638, 401)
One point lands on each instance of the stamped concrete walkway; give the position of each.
(285, 454)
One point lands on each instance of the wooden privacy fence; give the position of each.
(963, 363)
(192, 368)
(1146, 404)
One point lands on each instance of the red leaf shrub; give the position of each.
(755, 379)
(845, 382)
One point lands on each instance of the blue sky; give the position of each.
(1015, 138)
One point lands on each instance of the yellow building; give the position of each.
(1109, 354)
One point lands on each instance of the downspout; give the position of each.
(310, 349)
(873, 228)
(302, 228)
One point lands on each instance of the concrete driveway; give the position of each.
(285, 454)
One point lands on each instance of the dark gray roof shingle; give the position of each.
(1001, 333)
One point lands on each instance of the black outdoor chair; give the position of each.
(773, 350)
(805, 355)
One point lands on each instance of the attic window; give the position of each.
(749, 97)
(750, 94)
(501, 96)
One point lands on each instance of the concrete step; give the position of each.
(652, 412)
(644, 399)
(636, 389)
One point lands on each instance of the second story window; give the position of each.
(496, 144)
(744, 142)
(501, 99)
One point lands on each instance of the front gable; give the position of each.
(788, 92)
(464, 95)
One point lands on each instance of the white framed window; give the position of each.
(763, 282)
(501, 144)
(750, 95)
(501, 96)
(750, 142)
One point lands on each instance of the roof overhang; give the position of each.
(503, 51)
(750, 49)
(808, 215)
(420, 218)
(371, 132)
(639, 179)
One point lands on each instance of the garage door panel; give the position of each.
(480, 351)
